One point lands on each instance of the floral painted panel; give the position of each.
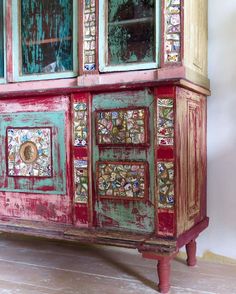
(121, 179)
(80, 124)
(29, 152)
(165, 121)
(172, 30)
(89, 35)
(165, 184)
(121, 126)
(81, 181)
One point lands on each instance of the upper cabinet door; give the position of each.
(45, 38)
(129, 34)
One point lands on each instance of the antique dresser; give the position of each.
(103, 123)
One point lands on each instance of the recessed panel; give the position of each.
(32, 153)
(29, 152)
(122, 180)
(122, 127)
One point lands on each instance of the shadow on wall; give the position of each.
(220, 237)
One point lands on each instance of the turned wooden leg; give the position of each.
(191, 249)
(163, 270)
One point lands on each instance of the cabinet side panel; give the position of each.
(196, 36)
(191, 159)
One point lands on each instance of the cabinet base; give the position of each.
(162, 250)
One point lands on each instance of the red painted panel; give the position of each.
(35, 207)
(80, 152)
(165, 91)
(165, 223)
(165, 153)
(81, 214)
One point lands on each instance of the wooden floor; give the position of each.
(36, 266)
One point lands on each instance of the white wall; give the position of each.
(220, 237)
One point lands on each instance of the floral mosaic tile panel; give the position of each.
(80, 124)
(165, 184)
(121, 127)
(172, 31)
(81, 181)
(89, 35)
(121, 180)
(165, 122)
(29, 152)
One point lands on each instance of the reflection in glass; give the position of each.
(131, 31)
(46, 36)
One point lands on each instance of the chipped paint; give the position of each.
(56, 184)
(127, 215)
(131, 216)
(34, 207)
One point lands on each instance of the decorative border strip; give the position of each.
(172, 31)
(80, 124)
(165, 122)
(81, 181)
(89, 23)
(165, 166)
(165, 182)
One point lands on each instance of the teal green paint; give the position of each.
(62, 24)
(45, 20)
(125, 217)
(117, 211)
(122, 100)
(119, 36)
(55, 120)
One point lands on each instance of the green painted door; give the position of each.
(123, 160)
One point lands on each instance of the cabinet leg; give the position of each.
(191, 249)
(163, 270)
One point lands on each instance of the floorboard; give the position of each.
(38, 266)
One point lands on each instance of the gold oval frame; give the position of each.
(33, 154)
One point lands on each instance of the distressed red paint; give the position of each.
(166, 223)
(165, 153)
(56, 215)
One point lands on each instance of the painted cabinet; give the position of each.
(109, 147)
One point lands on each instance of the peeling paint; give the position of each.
(119, 214)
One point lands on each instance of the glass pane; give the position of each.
(46, 36)
(1, 41)
(131, 31)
